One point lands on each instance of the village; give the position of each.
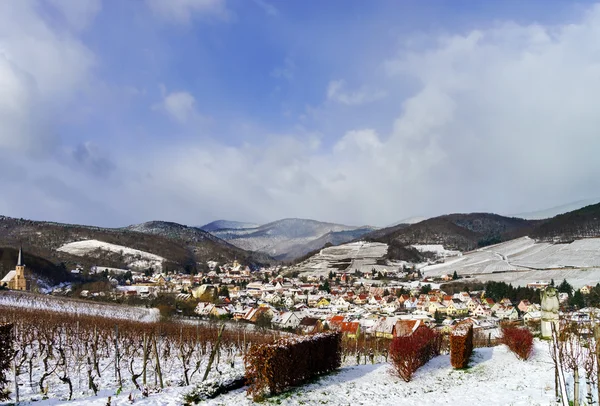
(381, 303)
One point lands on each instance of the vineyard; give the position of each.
(66, 356)
(59, 355)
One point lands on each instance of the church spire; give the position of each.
(20, 260)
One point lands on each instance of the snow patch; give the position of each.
(132, 257)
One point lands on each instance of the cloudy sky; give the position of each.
(360, 112)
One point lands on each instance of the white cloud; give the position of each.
(336, 91)
(180, 106)
(41, 70)
(183, 11)
(483, 120)
(500, 117)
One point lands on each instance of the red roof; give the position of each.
(350, 327)
(335, 321)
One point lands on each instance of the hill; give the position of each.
(227, 224)
(525, 260)
(556, 210)
(581, 223)
(290, 238)
(182, 247)
(463, 232)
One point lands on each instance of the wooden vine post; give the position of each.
(215, 349)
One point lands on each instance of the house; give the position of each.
(323, 302)
(287, 320)
(261, 311)
(532, 316)
(436, 307)
(482, 310)
(406, 328)
(16, 279)
(361, 299)
(310, 325)
(350, 329)
(524, 305)
(335, 322)
(384, 327)
(507, 313)
(586, 290)
(457, 308)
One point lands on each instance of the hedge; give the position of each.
(274, 368)
(6, 354)
(519, 341)
(461, 345)
(409, 353)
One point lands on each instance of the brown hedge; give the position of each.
(519, 341)
(274, 368)
(409, 353)
(6, 354)
(461, 345)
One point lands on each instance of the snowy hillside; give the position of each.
(77, 307)
(524, 260)
(361, 256)
(288, 238)
(132, 257)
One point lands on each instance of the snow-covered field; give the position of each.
(134, 258)
(523, 261)
(77, 307)
(359, 255)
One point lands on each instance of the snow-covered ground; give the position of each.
(437, 249)
(523, 261)
(77, 307)
(134, 258)
(495, 377)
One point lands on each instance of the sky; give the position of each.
(350, 111)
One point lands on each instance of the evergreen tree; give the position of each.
(325, 286)
(565, 287)
(455, 276)
(224, 291)
(577, 300)
(425, 289)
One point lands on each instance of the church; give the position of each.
(16, 279)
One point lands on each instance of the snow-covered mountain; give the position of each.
(290, 238)
(227, 224)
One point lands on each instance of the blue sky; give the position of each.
(117, 112)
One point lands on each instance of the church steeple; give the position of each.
(20, 260)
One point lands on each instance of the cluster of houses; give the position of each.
(265, 297)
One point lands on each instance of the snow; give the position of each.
(134, 258)
(77, 307)
(361, 256)
(524, 260)
(495, 375)
(437, 249)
